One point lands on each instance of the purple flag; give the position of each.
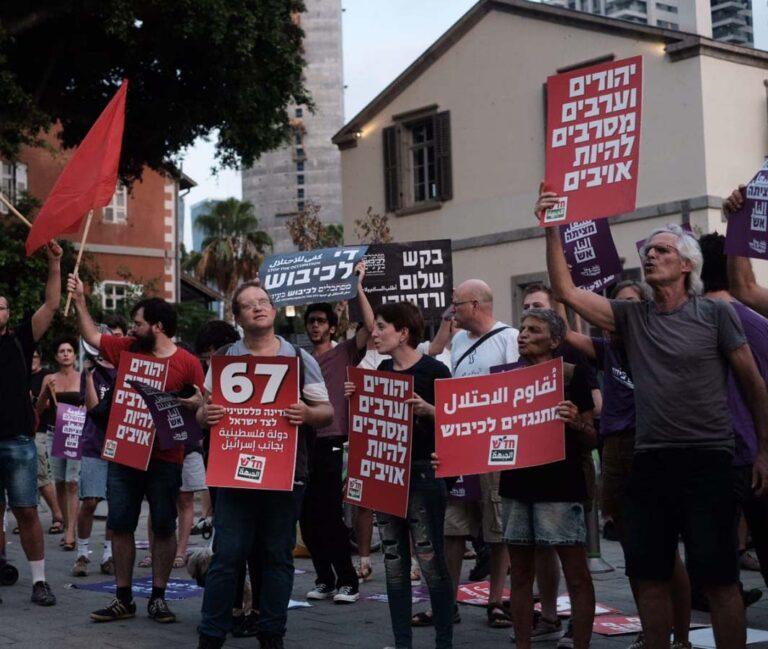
(68, 434)
(591, 254)
(747, 235)
(174, 423)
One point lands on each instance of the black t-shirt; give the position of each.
(424, 373)
(16, 348)
(562, 481)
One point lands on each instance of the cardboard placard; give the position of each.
(591, 254)
(748, 227)
(174, 424)
(68, 432)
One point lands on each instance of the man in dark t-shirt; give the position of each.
(322, 518)
(18, 454)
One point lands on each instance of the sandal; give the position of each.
(57, 526)
(179, 561)
(146, 562)
(498, 618)
(425, 618)
(364, 571)
(68, 546)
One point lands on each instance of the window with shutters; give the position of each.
(417, 162)
(13, 182)
(117, 210)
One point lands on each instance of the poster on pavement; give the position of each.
(68, 432)
(130, 431)
(593, 140)
(499, 421)
(420, 272)
(591, 254)
(380, 436)
(174, 424)
(254, 445)
(624, 625)
(748, 227)
(324, 275)
(477, 593)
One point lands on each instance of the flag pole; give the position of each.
(10, 206)
(79, 258)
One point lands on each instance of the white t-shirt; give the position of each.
(372, 359)
(444, 356)
(499, 349)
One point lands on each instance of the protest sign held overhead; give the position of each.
(499, 421)
(593, 140)
(380, 436)
(325, 275)
(748, 227)
(420, 272)
(131, 431)
(174, 424)
(68, 433)
(254, 445)
(591, 254)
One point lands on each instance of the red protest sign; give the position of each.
(499, 421)
(477, 593)
(254, 445)
(130, 431)
(380, 433)
(593, 140)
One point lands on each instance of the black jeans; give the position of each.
(245, 516)
(322, 518)
(426, 517)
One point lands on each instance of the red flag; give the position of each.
(89, 179)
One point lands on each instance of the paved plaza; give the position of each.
(364, 625)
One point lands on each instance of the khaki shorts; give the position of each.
(468, 518)
(43, 466)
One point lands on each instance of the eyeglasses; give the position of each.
(263, 303)
(314, 320)
(455, 304)
(660, 250)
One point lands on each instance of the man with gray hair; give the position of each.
(679, 346)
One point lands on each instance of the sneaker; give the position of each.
(749, 561)
(639, 642)
(346, 595)
(681, 644)
(115, 611)
(566, 641)
(108, 566)
(158, 610)
(321, 591)
(42, 594)
(751, 596)
(80, 568)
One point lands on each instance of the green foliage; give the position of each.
(195, 67)
(191, 317)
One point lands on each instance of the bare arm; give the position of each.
(591, 306)
(44, 400)
(756, 395)
(581, 343)
(88, 329)
(442, 337)
(43, 317)
(364, 332)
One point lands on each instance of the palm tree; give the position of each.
(233, 248)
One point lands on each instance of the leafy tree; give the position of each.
(373, 228)
(194, 66)
(233, 247)
(309, 232)
(191, 317)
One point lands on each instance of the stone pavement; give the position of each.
(364, 625)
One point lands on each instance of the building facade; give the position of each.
(704, 131)
(308, 169)
(134, 240)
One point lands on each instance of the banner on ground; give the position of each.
(68, 432)
(624, 625)
(174, 424)
(420, 272)
(131, 431)
(380, 435)
(325, 275)
(499, 421)
(564, 607)
(591, 254)
(254, 445)
(748, 227)
(593, 140)
(477, 593)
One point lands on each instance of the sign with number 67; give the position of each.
(254, 445)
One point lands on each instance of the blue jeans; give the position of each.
(426, 516)
(243, 517)
(18, 471)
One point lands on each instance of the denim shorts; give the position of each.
(559, 523)
(93, 478)
(126, 488)
(62, 469)
(18, 470)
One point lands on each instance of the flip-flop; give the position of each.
(68, 547)
(498, 618)
(146, 562)
(179, 561)
(57, 526)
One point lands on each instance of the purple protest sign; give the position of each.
(466, 488)
(68, 434)
(174, 423)
(591, 254)
(747, 235)
(639, 244)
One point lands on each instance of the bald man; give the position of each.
(484, 343)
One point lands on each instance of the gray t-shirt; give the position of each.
(680, 369)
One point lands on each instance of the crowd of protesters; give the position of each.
(670, 388)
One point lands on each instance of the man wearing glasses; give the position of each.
(680, 346)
